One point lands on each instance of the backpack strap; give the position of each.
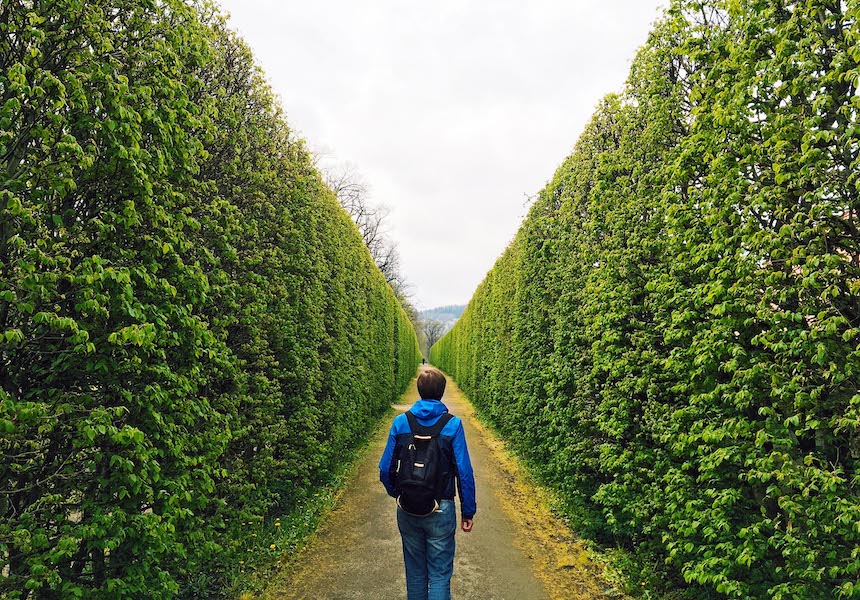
(433, 430)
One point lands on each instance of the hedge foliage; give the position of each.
(192, 333)
(672, 337)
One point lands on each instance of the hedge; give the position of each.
(192, 333)
(671, 338)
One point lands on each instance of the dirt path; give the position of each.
(517, 550)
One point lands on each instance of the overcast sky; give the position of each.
(453, 111)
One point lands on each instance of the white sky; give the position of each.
(454, 111)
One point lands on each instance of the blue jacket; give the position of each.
(452, 443)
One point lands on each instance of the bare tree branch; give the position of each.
(433, 331)
(352, 192)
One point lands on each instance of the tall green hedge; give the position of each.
(192, 333)
(672, 337)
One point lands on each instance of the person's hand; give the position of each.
(466, 524)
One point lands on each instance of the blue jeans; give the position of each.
(428, 551)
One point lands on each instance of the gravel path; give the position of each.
(516, 551)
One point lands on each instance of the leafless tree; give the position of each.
(433, 331)
(352, 192)
(349, 186)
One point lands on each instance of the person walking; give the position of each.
(424, 487)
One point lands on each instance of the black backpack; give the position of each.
(421, 470)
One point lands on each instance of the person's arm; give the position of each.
(466, 477)
(385, 464)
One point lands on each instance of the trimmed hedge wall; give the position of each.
(192, 334)
(672, 337)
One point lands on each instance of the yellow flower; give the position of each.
(241, 562)
(277, 524)
(272, 546)
(253, 535)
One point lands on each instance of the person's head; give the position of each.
(431, 384)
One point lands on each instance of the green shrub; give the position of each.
(671, 337)
(192, 333)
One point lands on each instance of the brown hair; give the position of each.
(431, 384)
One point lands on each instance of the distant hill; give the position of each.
(447, 314)
(443, 313)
